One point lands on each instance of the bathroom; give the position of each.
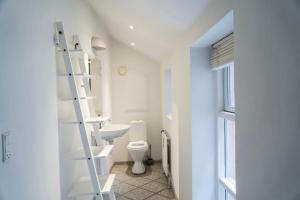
(123, 88)
(159, 116)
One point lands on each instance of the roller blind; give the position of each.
(222, 52)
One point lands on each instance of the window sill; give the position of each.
(229, 186)
(227, 115)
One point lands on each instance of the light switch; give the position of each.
(6, 142)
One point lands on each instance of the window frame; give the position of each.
(224, 182)
(226, 185)
(226, 89)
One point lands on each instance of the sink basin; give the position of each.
(111, 131)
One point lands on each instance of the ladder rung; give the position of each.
(98, 152)
(80, 98)
(79, 75)
(71, 50)
(95, 120)
(84, 186)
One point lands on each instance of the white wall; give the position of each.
(96, 83)
(28, 103)
(179, 127)
(136, 96)
(179, 60)
(204, 117)
(105, 58)
(267, 95)
(207, 100)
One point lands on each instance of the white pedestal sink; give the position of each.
(111, 131)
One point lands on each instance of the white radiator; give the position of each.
(165, 152)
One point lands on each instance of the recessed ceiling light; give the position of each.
(132, 44)
(131, 27)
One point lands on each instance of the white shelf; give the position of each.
(80, 98)
(94, 120)
(98, 152)
(105, 152)
(84, 186)
(108, 184)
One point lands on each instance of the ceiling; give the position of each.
(158, 24)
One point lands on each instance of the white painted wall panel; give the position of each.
(267, 95)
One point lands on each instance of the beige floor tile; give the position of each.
(123, 188)
(119, 168)
(149, 186)
(116, 182)
(122, 177)
(138, 194)
(137, 181)
(157, 168)
(154, 187)
(157, 197)
(154, 176)
(122, 198)
(161, 171)
(167, 193)
(162, 180)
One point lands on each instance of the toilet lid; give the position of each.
(138, 145)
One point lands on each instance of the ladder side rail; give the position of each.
(78, 111)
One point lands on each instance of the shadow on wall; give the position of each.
(296, 197)
(2, 4)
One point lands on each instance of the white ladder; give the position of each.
(92, 186)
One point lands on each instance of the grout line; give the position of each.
(152, 191)
(124, 172)
(150, 196)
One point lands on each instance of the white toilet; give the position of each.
(138, 145)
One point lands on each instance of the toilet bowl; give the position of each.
(138, 151)
(138, 146)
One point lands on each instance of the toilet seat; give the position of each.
(138, 145)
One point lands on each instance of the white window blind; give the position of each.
(222, 52)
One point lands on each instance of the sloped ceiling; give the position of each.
(159, 24)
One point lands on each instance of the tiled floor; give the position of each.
(151, 186)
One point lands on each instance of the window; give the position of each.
(229, 101)
(168, 93)
(229, 144)
(227, 137)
